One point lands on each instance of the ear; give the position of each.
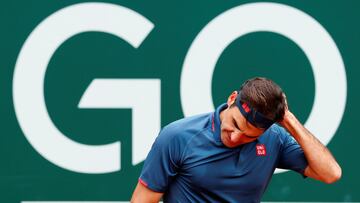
(231, 98)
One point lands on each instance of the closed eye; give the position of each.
(237, 126)
(251, 137)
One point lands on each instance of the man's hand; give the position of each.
(286, 110)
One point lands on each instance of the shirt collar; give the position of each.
(215, 122)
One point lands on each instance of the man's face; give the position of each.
(235, 130)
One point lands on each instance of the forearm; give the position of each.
(319, 158)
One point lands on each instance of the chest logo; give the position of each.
(260, 150)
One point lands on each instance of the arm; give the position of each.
(144, 195)
(322, 165)
(160, 166)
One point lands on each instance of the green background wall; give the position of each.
(27, 176)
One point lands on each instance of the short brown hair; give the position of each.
(264, 96)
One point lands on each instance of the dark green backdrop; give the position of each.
(25, 175)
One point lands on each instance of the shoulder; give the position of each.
(187, 126)
(277, 133)
(276, 129)
(182, 130)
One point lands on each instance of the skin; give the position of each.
(235, 131)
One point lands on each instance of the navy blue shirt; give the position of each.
(189, 163)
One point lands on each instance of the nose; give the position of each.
(235, 136)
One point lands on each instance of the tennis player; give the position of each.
(230, 155)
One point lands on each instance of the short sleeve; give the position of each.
(162, 162)
(291, 155)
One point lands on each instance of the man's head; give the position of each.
(259, 103)
(264, 96)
